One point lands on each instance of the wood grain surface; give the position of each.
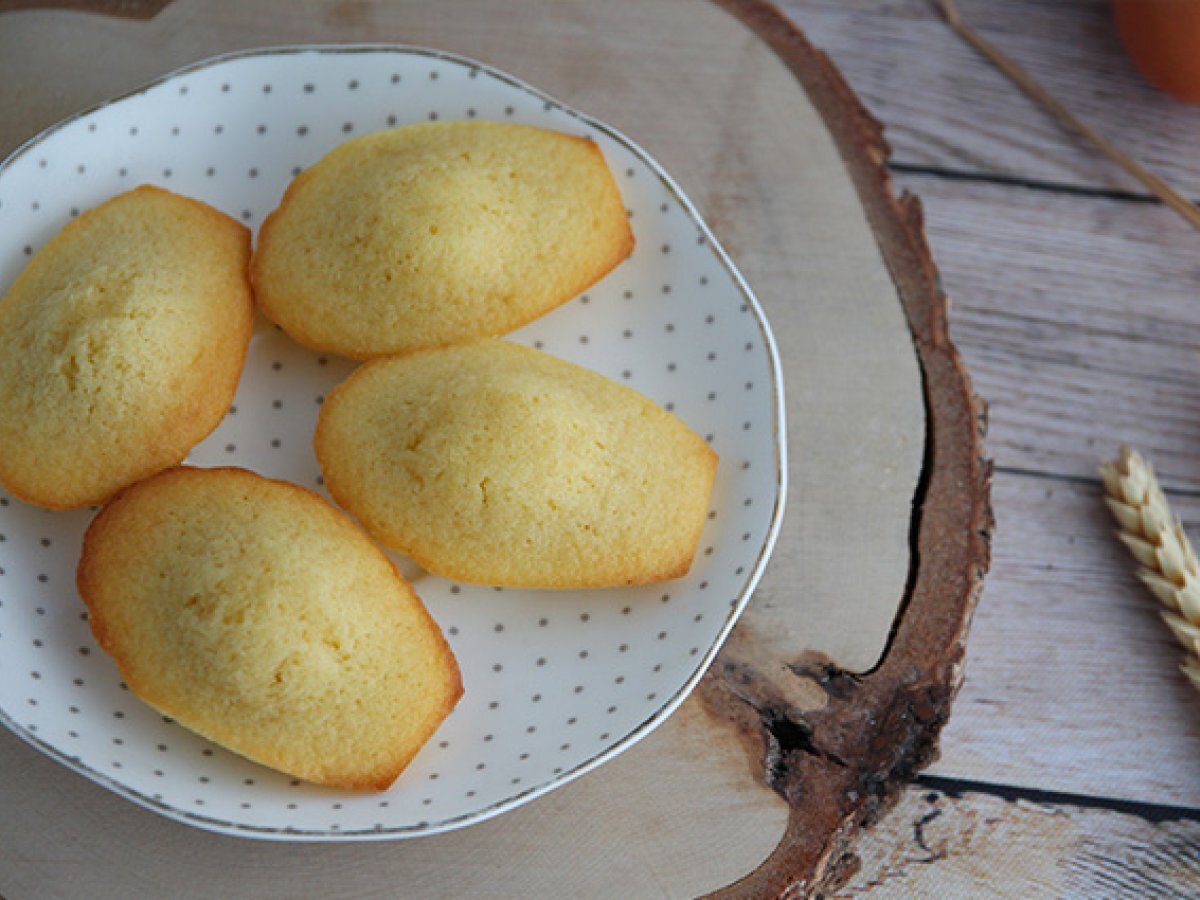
(1080, 316)
(950, 840)
(1080, 321)
(1069, 765)
(690, 829)
(1075, 305)
(807, 209)
(1072, 681)
(950, 111)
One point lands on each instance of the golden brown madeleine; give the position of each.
(259, 616)
(496, 464)
(121, 345)
(438, 234)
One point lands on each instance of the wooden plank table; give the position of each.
(1069, 767)
(1070, 764)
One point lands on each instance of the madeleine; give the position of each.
(438, 234)
(496, 464)
(259, 616)
(121, 345)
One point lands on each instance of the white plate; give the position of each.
(556, 682)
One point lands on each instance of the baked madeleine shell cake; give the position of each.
(435, 234)
(121, 345)
(259, 616)
(492, 463)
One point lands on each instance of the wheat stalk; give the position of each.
(1068, 119)
(1156, 538)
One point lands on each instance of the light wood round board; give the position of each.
(832, 689)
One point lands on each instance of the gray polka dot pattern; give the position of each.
(555, 681)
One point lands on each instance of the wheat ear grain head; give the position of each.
(1156, 539)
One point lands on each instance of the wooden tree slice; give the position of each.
(757, 786)
(841, 766)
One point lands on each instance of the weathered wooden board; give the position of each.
(946, 109)
(1080, 320)
(809, 215)
(1072, 680)
(1080, 323)
(943, 841)
(1078, 317)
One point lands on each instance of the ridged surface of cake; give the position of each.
(121, 345)
(256, 614)
(435, 234)
(495, 463)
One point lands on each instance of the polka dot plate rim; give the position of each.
(557, 683)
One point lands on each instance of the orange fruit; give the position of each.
(1162, 37)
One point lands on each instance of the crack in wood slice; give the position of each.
(842, 765)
